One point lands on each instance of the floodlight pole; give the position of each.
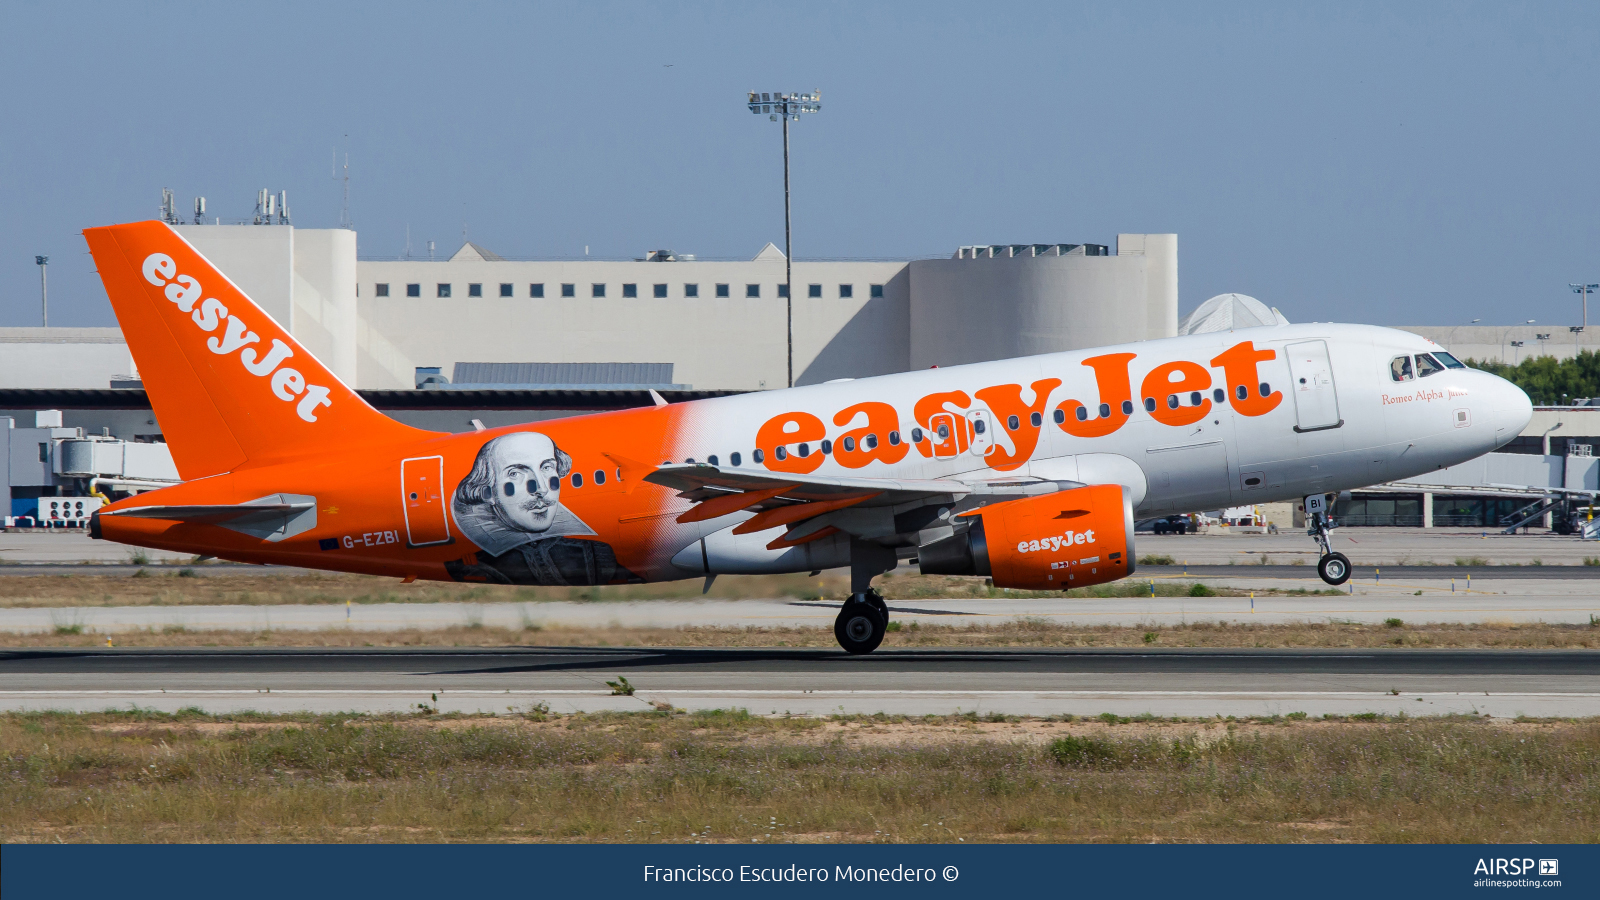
(1584, 289)
(789, 266)
(43, 262)
(786, 106)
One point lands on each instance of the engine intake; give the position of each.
(1073, 538)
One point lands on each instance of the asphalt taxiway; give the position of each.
(813, 682)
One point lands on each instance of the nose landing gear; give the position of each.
(1334, 568)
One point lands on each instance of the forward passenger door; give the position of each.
(1316, 402)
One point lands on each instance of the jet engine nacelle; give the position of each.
(1073, 538)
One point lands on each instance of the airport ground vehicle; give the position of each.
(1172, 525)
(1029, 470)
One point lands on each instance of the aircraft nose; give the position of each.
(1510, 408)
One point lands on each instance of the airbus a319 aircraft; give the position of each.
(1030, 471)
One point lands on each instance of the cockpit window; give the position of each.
(1427, 365)
(1400, 368)
(1450, 362)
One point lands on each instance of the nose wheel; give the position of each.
(1334, 568)
(862, 621)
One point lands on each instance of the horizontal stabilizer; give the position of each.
(270, 518)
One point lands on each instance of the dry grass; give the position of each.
(730, 777)
(169, 587)
(1013, 633)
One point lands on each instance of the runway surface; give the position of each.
(814, 682)
(1364, 574)
(1499, 599)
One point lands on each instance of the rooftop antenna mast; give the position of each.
(169, 207)
(344, 210)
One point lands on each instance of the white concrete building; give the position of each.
(1511, 344)
(718, 325)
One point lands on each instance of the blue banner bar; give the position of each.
(1169, 872)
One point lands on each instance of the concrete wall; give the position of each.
(1493, 342)
(72, 358)
(304, 278)
(930, 311)
(258, 259)
(736, 342)
(973, 310)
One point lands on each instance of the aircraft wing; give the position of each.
(700, 481)
(814, 506)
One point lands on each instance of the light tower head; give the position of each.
(776, 104)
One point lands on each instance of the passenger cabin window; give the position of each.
(569, 290)
(630, 290)
(382, 290)
(722, 291)
(508, 290)
(1427, 365)
(413, 290)
(536, 291)
(691, 290)
(1400, 369)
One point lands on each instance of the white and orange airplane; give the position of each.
(1030, 471)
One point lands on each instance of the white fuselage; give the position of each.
(1343, 421)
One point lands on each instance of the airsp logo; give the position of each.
(287, 384)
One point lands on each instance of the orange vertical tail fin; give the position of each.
(230, 386)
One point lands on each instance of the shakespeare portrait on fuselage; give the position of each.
(1030, 471)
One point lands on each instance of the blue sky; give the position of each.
(1407, 163)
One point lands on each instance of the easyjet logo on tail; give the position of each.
(286, 383)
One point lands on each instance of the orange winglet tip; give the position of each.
(783, 542)
(730, 503)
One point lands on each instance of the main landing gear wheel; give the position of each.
(1334, 568)
(861, 623)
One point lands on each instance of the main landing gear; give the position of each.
(862, 622)
(1334, 568)
(864, 617)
